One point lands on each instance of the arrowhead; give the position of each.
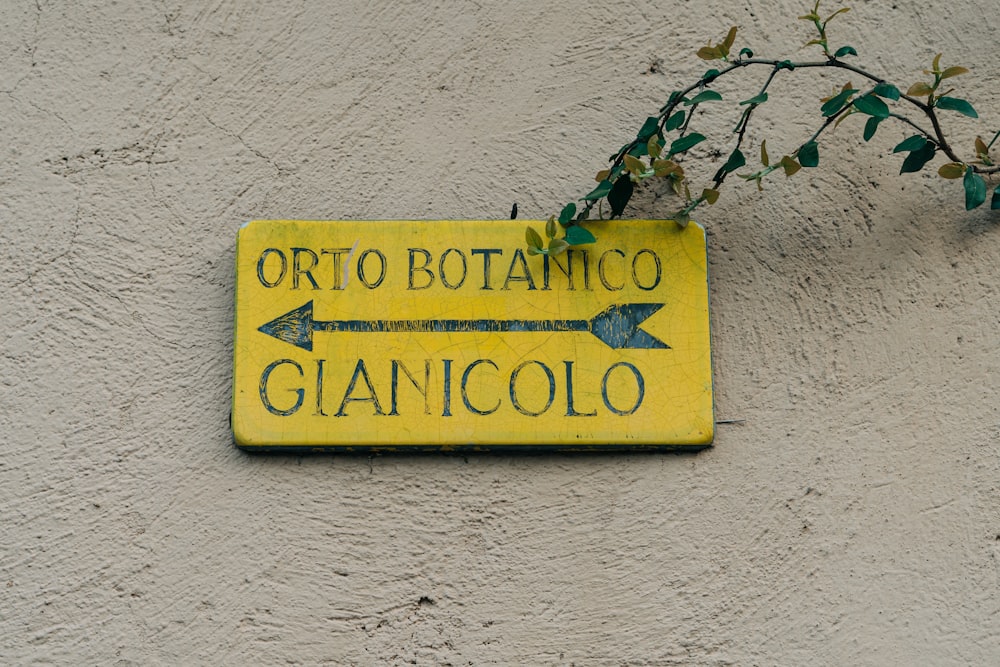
(295, 327)
(618, 327)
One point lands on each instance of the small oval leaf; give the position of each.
(975, 189)
(872, 105)
(730, 39)
(790, 166)
(557, 246)
(664, 167)
(953, 71)
(756, 99)
(952, 170)
(837, 102)
(709, 53)
(955, 104)
(602, 189)
(566, 215)
(887, 90)
(871, 126)
(919, 89)
(619, 195)
(982, 150)
(654, 147)
(648, 129)
(916, 160)
(577, 235)
(704, 96)
(809, 154)
(533, 239)
(916, 142)
(674, 122)
(634, 165)
(686, 142)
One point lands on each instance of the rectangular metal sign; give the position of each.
(448, 335)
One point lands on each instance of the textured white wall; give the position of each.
(853, 517)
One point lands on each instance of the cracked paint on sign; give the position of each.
(419, 334)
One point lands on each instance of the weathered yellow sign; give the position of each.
(446, 335)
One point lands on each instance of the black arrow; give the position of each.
(617, 326)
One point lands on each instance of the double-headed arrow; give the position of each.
(617, 326)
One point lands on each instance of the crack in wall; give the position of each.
(55, 258)
(282, 171)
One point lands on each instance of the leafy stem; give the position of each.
(664, 157)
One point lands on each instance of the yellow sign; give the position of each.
(445, 335)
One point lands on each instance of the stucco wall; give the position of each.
(851, 517)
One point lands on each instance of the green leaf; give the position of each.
(664, 167)
(686, 142)
(785, 64)
(557, 246)
(745, 51)
(727, 43)
(620, 193)
(735, 161)
(871, 126)
(916, 160)
(953, 71)
(710, 53)
(845, 51)
(995, 202)
(648, 129)
(955, 104)
(835, 14)
(914, 143)
(952, 170)
(872, 106)
(654, 147)
(837, 102)
(602, 189)
(756, 99)
(550, 227)
(710, 75)
(577, 235)
(634, 165)
(674, 122)
(533, 239)
(790, 165)
(764, 159)
(809, 154)
(919, 89)
(975, 189)
(704, 96)
(887, 90)
(567, 214)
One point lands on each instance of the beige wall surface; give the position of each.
(850, 517)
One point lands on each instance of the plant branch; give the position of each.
(650, 141)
